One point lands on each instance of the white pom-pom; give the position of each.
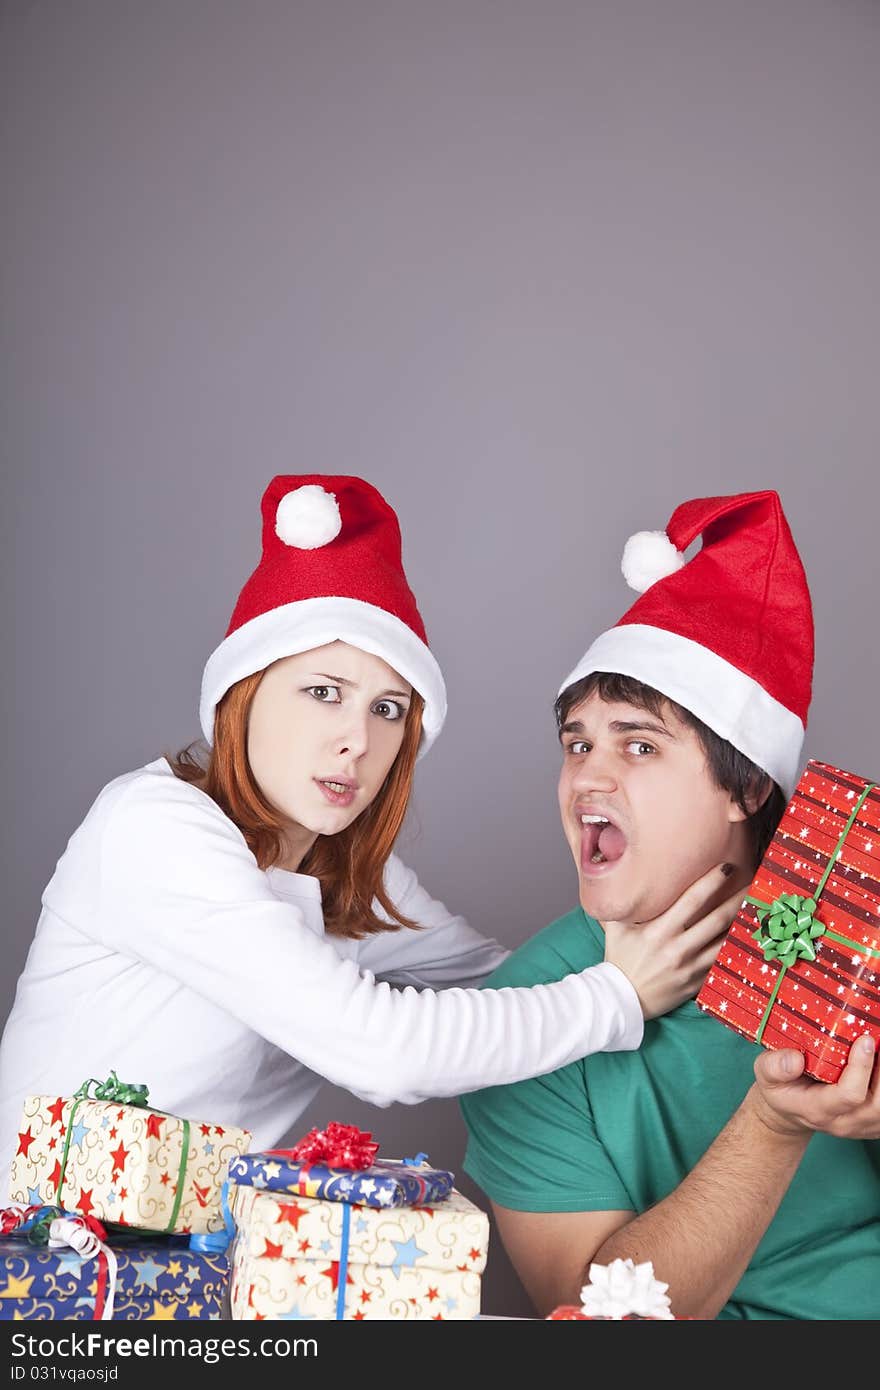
(308, 517)
(647, 557)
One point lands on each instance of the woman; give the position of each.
(216, 929)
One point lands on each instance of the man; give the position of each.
(754, 1191)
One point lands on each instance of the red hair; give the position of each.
(350, 865)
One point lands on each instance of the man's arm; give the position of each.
(699, 1239)
(547, 1249)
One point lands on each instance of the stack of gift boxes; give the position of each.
(118, 1210)
(328, 1231)
(115, 1210)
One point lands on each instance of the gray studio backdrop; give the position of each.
(539, 271)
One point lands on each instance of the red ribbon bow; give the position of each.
(339, 1146)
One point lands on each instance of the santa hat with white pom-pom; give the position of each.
(331, 570)
(728, 634)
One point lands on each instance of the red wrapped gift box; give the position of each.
(800, 966)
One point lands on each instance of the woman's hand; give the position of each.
(790, 1103)
(667, 959)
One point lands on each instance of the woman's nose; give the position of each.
(354, 739)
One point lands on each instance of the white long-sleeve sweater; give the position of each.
(165, 953)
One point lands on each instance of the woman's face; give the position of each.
(324, 729)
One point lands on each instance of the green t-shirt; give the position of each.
(621, 1130)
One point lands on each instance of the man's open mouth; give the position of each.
(602, 841)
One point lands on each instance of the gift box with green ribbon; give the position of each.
(106, 1153)
(800, 966)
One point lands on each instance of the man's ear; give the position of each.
(755, 797)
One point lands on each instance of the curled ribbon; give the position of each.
(788, 926)
(217, 1242)
(54, 1227)
(114, 1089)
(27, 1220)
(339, 1146)
(87, 1236)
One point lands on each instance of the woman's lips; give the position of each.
(337, 791)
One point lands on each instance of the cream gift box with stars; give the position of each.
(297, 1257)
(123, 1163)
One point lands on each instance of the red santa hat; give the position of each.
(728, 634)
(331, 570)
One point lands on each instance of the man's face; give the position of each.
(641, 812)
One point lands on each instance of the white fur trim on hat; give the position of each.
(308, 517)
(736, 707)
(647, 557)
(313, 622)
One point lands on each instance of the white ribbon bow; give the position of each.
(624, 1288)
(73, 1231)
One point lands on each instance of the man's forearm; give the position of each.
(701, 1237)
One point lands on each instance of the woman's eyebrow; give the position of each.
(341, 680)
(336, 680)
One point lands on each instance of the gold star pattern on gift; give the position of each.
(164, 1312)
(18, 1288)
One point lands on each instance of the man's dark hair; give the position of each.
(731, 770)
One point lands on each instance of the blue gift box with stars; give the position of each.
(154, 1280)
(389, 1182)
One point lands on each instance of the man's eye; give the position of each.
(640, 747)
(327, 694)
(389, 709)
(577, 745)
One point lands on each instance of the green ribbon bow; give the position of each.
(123, 1093)
(788, 927)
(114, 1089)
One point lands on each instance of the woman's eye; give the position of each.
(641, 748)
(389, 709)
(327, 694)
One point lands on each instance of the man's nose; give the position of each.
(595, 773)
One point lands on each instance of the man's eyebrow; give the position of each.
(574, 726)
(341, 680)
(622, 726)
(638, 726)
